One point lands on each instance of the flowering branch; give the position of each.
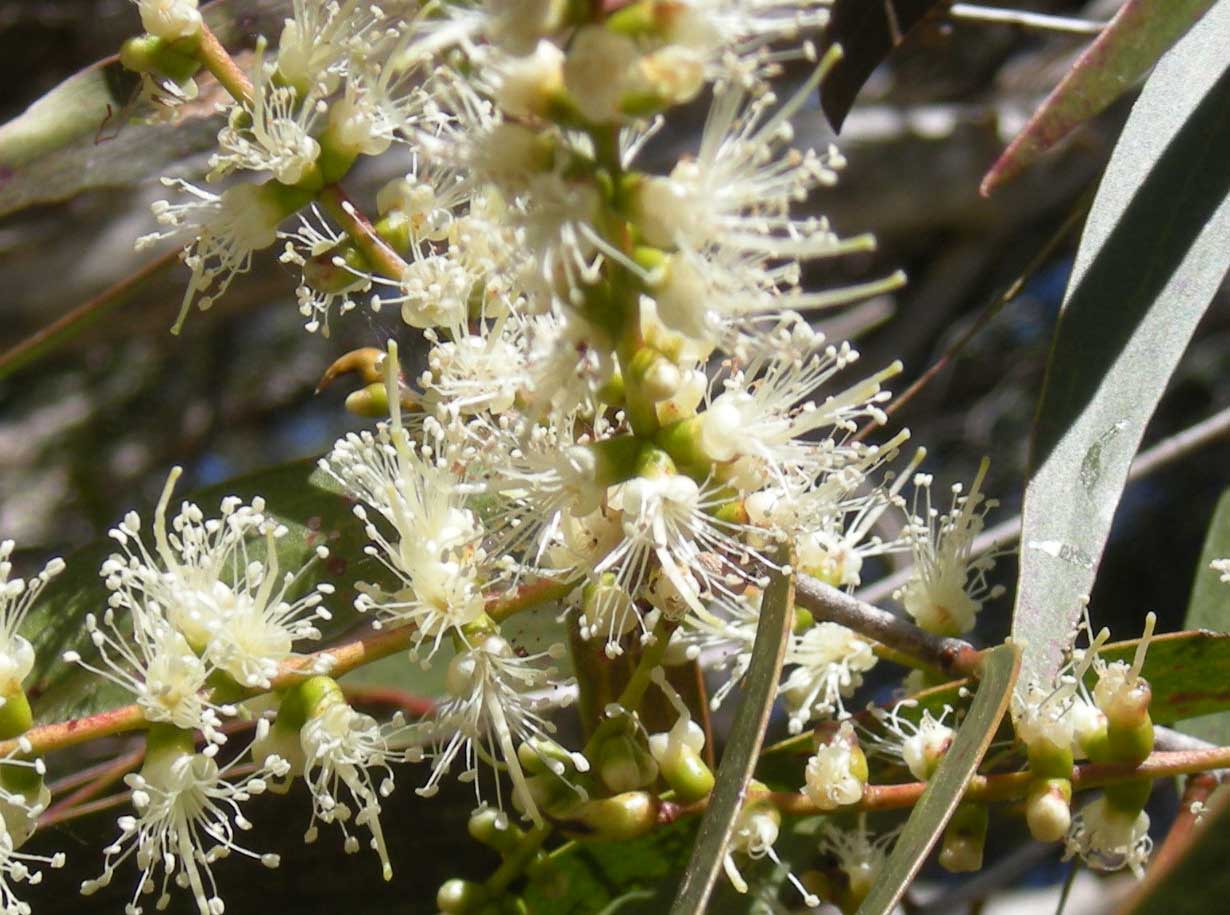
(1007, 786)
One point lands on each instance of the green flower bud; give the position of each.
(624, 764)
(371, 401)
(458, 897)
(624, 816)
(683, 769)
(964, 839)
(491, 827)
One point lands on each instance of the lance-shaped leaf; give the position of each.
(1000, 666)
(92, 131)
(1139, 34)
(867, 33)
(742, 749)
(1152, 255)
(1209, 608)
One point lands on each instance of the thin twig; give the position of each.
(955, 657)
(67, 326)
(109, 774)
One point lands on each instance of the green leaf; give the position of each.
(87, 133)
(1130, 45)
(1209, 608)
(742, 748)
(1152, 255)
(298, 495)
(1000, 666)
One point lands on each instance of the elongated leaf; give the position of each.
(1000, 666)
(1209, 608)
(298, 495)
(742, 749)
(1139, 34)
(867, 33)
(90, 131)
(1199, 882)
(1152, 255)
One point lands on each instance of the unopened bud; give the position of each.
(625, 765)
(492, 828)
(624, 816)
(458, 897)
(1048, 810)
(964, 839)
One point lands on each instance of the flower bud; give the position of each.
(371, 401)
(531, 83)
(1048, 809)
(491, 827)
(458, 897)
(600, 70)
(964, 839)
(624, 816)
(625, 765)
(170, 20)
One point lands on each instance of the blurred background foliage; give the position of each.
(91, 430)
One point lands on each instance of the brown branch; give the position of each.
(955, 657)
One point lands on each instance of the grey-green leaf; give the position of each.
(1000, 667)
(1153, 253)
(1209, 608)
(90, 132)
(742, 749)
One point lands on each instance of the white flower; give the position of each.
(436, 553)
(767, 415)
(170, 20)
(1221, 566)
(830, 661)
(227, 230)
(343, 748)
(187, 811)
(1121, 694)
(755, 831)
(270, 133)
(488, 713)
(920, 744)
(949, 584)
(1109, 839)
(527, 85)
(727, 215)
(832, 778)
(155, 663)
(326, 283)
(860, 857)
(17, 595)
(669, 519)
(20, 867)
(201, 579)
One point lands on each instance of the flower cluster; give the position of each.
(622, 401)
